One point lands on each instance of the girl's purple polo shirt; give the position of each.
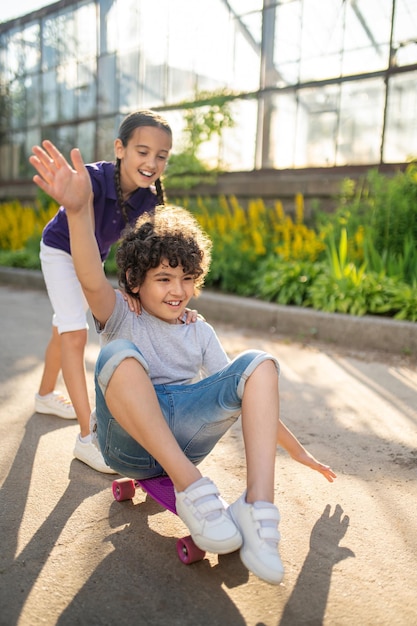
(109, 221)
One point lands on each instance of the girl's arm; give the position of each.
(290, 443)
(71, 188)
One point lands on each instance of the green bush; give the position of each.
(360, 260)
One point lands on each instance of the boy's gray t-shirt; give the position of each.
(175, 353)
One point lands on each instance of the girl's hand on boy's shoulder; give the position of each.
(192, 315)
(132, 301)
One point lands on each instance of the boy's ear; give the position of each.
(132, 289)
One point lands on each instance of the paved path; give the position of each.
(71, 555)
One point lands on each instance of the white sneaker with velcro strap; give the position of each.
(258, 523)
(204, 513)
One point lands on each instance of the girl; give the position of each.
(153, 414)
(121, 192)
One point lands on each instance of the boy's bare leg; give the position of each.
(260, 417)
(145, 423)
(197, 500)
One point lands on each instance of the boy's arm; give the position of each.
(290, 443)
(71, 188)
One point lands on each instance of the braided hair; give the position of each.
(126, 129)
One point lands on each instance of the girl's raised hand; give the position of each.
(69, 186)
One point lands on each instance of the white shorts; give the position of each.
(64, 290)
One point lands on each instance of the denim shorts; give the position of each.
(198, 414)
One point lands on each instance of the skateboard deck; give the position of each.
(161, 490)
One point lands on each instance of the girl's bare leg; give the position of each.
(73, 370)
(52, 364)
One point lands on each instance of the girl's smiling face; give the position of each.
(166, 292)
(143, 159)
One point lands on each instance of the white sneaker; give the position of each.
(89, 454)
(205, 514)
(258, 524)
(55, 403)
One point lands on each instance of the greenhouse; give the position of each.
(308, 83)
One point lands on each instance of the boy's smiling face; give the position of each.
(166, 292)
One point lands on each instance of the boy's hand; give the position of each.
(70, 187)
(308, 459)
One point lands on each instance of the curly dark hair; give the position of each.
(171, 233)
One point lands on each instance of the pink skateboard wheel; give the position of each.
(188, 552)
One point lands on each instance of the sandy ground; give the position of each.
(72, 555)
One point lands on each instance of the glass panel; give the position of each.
(17, 104)
(30, 41)
(317, 120)
(401, 126)
(33, 94)
(15, 165)
(49, 97)
(181, 85)
(240, 7)
(59, 41)
(15, 55)
(106, 134)
(87, 88)
(66, 139)
(183, 35)
(66, 85)
(405, 32)
(129, 80)
(250, 20)
(239, 143)
(16, 154)
(4, 44)
(107, 84)
(49, 43)
(105, 21)
(216, 25)
(120, 21)
(153, 90)
(85, 20)
(246, 60)
(86, 133)
(283, 124)
(361, 120)
(5, 158)
(321, 39)
(287, 50)
(32, 138)
(367, 35)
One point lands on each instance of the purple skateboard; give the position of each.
(161, 490)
